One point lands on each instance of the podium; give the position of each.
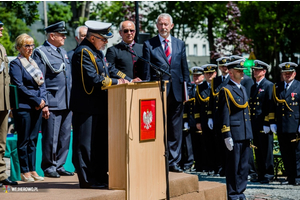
(136, 155)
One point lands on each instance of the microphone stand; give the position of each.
(160, 72)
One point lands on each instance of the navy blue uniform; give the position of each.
(236, 124)
(89, 104)
(287, 110)
(260, 102)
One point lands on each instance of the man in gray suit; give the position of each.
(56, 126)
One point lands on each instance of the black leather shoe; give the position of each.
(52, 175)
(297, 184)
(8, 182)
(175, 169)
(65, 173)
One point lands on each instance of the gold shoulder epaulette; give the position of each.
(276, 99)
(225, 129)
(121, 74)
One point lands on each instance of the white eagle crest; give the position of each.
(147, 119)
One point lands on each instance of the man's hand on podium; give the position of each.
(122, 81)
(137, 79)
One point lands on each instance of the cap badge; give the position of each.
(287, 66)
(242, 63)
(209, 67)
(224, 60)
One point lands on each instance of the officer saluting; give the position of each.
(286, 95)
(202, 102)
(260, 102)
(236, 130)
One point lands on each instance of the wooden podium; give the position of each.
(136, 166)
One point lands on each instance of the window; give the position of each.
(204, 49)
(187, 50)
(195, 50)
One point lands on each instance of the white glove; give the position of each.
(299, 129)
(273, 128)
(210, 123)
(266, 129)
(229, 143)
(186, 125)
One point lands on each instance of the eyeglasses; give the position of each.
(126, 31)
(102, 39)
(27, 46)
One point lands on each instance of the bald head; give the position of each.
(127, 31)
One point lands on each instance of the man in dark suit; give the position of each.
(236, 130)
(286, 95)
(56, 126)
(213, 115)
(202, 101)
(4, 108)
(191, 150)
(89, 104)
(169, 54)
(80, 34)
(119, 55)
(260, 102)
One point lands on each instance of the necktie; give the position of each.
(223, 78)
(286, 87)
(168, 51)
(133, 61)
(59, 51)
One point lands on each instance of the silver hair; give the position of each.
(77, 31)
(164, 15)
(121, 24)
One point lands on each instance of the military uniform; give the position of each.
(202, 108)
(260, 102)
(287, 100)
(236, 126)
(89, 104)
(214, 113)
(56, 130)
(4, 108)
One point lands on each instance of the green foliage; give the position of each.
(25, 10)
(59, 12)
(114, 12)
(9, 46)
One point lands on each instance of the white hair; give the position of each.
(121, 24)
(165, 15)
(77, 31)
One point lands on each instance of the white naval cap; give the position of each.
(100, 28)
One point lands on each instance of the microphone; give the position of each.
(127, 48)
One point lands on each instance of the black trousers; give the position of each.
(27, 125)
(290, 153)
(237, 168)
(264, 154)
(187, 159)
(174, 125)
(90, 148)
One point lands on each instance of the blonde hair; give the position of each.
(21, 39)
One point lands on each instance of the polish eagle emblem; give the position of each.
(147, 119)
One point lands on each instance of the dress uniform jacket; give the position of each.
(287, 119)
(202, 102)
(119, 56)
(4, 107)
(236, 124)
(247, 82)
(260, 105)
(58, 85)
(57, 129)
(213, 113)
(89, 104)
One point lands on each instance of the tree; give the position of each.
(234, 41)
